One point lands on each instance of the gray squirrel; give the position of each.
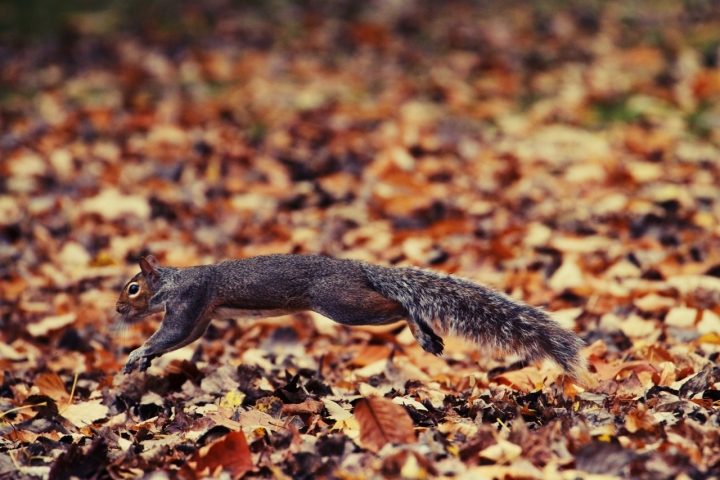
(349, 292)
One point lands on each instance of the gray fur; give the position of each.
(489, 318)
(351, 293)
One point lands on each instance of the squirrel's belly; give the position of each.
(243, 314)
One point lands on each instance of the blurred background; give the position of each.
(565, 152)
(552, 149)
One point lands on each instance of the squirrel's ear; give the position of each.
(152, 261)
(148, 269)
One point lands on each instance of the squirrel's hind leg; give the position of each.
(372, 308)
(429, 340)
(364, 307)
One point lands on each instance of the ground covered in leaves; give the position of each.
(568, 155)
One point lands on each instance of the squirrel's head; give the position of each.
(134, 301)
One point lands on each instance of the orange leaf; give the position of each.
(371, 354)
(381, 422)
(524, 379)
(51, 384)
(606, 371)
(308, 406)
(231, 453)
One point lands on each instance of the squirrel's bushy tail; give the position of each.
(476, 312)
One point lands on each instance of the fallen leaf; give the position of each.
(709, 323)
(110, 204)
(308, 406)
(85, 413)
(382, 422)
(607, 371)
(409, 401)
(526, 379)
(569, 275)
(640, 419)
(52, 385)
(681, 317)
(254, 418)
(49, 324)
(371, 354)
(603, 458)
(229, 454)
(501, 452)
(631, 387)
(696, 384)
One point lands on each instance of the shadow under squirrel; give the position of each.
(349, 292)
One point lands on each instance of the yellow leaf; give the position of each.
(232, 400)
(712, 338)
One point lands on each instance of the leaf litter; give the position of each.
(566, 155)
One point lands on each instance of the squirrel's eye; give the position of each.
(134, 289)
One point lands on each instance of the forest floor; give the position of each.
(566, 155)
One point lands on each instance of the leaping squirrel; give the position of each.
(349, 292)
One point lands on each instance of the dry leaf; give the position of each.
(51, 384)
(85, 413)
(640, 419)
(526, 379)
(229, 454)
(382, 422)
(607, 371)
(501, 452)
(371, 354)
(48, 324)
(254, 418)
(631, 387)
(308, 406)
(571, 161)
(681, 317)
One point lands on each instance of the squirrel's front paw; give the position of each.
(145, 363)
(132, 362)
(129, 367)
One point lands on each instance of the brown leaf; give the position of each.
(255, 419)
(604, 458)
(231, 454)
(697, 383)
(308, 406)
(11, 289)
(382, 422)
(407, 462)
(371, 354)
(51, 384)
(525, 379)
(640, 419)
(85, 413)
(606, 371)
(631, 387)
(221, 419)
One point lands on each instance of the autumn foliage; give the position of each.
(567, 154)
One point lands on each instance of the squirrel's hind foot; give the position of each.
(427, 338)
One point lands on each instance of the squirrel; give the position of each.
(350, 292)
